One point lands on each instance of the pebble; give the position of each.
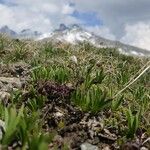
(143, 148)
(4, 96)
(87, 146)
(14, 81)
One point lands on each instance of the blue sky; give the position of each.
(89, 18)
(127, 21)
(6, 2)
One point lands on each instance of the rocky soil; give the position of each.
(72, 127)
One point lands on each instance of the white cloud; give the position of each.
(137, 35)
(67, 9)
(116, 13)
(36, 14)
(102, 31)
(6, 15)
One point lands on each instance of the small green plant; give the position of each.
(139, 93)
(16, 96)
(12, 120)
(116, 103)
(48, 49)
(122, 77)
(36, 103)
(39, 142)
(133, 123)
(20, 52)
(42, 73)
(57, 74)
(61, 75)
(96, 79)
(93, 100)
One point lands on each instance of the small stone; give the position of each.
(106, 148)
(1, 85)
(19, 68)
(58, 141)
(130, 146)
(4, 96)
(146, 143)
(58, 114)
(87, 146)
(74, 59)
(69, 85)
(143, 148)
(13, 81)
(95, 141)
(8, 87)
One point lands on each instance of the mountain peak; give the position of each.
(62, 27)
(25, 30)
(4, 27)
(25, 33)
(75, 26)
(6, 30)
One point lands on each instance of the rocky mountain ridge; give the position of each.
(23, 34)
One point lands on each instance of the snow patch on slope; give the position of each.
(73, 37)
(44, 36)
(76, 34)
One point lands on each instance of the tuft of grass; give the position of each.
(133, 123)
(93, 100)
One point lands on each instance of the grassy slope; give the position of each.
(96, 78)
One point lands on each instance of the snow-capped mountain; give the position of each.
(62, 27)
(75, 34)
(28, 33)
(24, 34)
(8, 31)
